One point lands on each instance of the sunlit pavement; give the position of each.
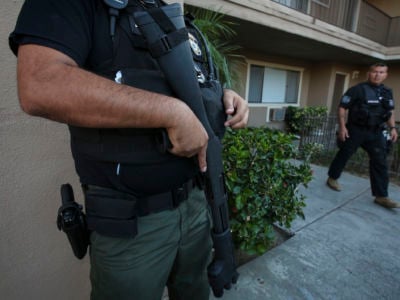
(347, 247)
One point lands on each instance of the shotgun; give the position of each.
(165, 31)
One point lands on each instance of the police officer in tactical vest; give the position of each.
(370, 107)
(86, 64)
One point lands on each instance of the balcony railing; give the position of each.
(356, 16)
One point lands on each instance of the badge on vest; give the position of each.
(194, 45)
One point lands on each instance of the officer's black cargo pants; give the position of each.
(374, 143)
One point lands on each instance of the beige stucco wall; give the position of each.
(35, 259)
(320, 75)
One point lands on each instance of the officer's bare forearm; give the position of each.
(342, 117)
(391, 122)
(51, 85)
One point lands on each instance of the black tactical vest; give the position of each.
(372, 107)
(132, 64)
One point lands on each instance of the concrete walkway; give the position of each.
(346, 248)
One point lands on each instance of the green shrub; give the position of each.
(262, 179)
(305, 119)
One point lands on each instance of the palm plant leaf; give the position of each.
(218, 31)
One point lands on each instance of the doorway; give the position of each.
(339, 88)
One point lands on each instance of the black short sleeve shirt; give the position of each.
(352, 95)
(67, 26)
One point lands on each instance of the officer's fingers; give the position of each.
(234, 103)
(239, 120)
(228, 101)
(202, 159)
(229, 107)
(182, 148)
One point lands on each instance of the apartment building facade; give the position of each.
(297, 52)
(308, 52)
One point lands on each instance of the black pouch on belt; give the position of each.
(110, 212)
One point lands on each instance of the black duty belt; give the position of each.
(367, 127)
(164, 201)
(114, 213)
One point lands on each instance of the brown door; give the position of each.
(337, 92)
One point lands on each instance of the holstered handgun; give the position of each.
(72, 221)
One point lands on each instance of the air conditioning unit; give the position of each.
(277, 114)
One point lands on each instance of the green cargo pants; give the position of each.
(172, 248)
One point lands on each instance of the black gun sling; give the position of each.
(114, 213)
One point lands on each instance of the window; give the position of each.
(325, 3)
(273, 84)
(300, 5)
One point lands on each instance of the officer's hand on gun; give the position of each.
(188, 136)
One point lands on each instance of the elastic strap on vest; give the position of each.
(168, 42)
(171, 39)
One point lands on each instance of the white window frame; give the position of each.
(325, 3)
(276, 66)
